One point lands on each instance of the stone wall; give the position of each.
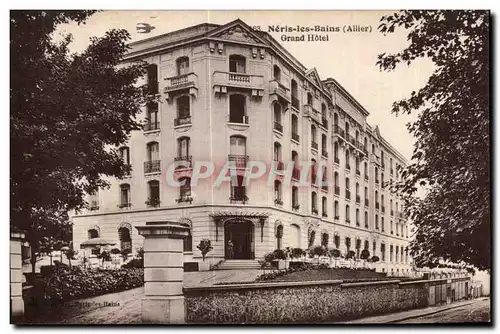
(302, 302)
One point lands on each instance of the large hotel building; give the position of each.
(232, 94)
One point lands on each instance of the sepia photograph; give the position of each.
(263, 167)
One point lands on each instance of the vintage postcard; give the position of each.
(250, 167)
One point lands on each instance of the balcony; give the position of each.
(240, 161)
(314, 145)
(151, 126)
(337, 190)
(324, 187)
(324, 214)
(358, 199)
(278, 201)
(124, 205)
(347, 194)
(309, 110)
(185, 196)
(183, 162)
(278, 127)
(295, 137)
(295, 102)
(178, 83)
(234, 119)
(182, 121)
(338, 131)
(348, 167)
(367, 202)
(296, 174)
(152, 166)
(278, 90)
(358, 172)
(295, 207)
(336, 217)
(239, 195)
(324, 153)
(377, 182)
(336, 160)
(223, 80)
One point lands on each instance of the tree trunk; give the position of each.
(33, 261)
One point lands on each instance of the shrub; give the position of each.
(365, 254)
(350, 255)
(296, 253)
(204, 246)
(269, 257)
(335, 253)
(279, 254)
(375, 258)
(317, 250)
(134, 263)
(76, 284)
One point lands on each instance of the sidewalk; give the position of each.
(405, 315)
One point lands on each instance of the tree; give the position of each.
(365, 254)
(71, 255)
(115, 251)
(69, 113)
(105, 256)
(204, 246)
(125, 252)
(451, 158)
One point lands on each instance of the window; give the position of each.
(347, 158)
(295, 128)
(392, 226)
(366, 171)
(347, 189)
(357, 217)
(309, 99)
(188, 242)
(182, 66)
(277, 117)
(347, 215)
(336, 183)
(365, 144)
(313, 171)
(374, 247)
(185, 189)
(382, 251)
(376, 175)
(124, 235)
(237, 64)
(382, 203)
(153, 193)
(313, 137)
(336, 209)
(183, 110)
(376, 222)
(295, 99)
(238, 190)
(125, 155)
(314, 203)
(357, 138)
(347, 129)
(277, 192)
(124, 195)
(183, 144)
(94, 201)
(277, 152)
(153, 158)
(276, 73)
(367, 245)
(152, 122)
(237, 112)
(295, 197)
(391, 255)
(357, 166)
(336, 152)
(366, 219)
(93, 233)
(324, 239)
(152, 78)
(376, 200)
(324, 151)
(311, 235)
(382, 223)
(373, 148)
(324, 208)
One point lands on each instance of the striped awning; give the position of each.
(239, 214)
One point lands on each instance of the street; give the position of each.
(480, 311)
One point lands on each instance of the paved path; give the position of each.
(125, 307)
(455, 312)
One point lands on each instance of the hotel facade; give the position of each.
(232, 94)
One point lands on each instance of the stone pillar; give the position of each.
(163, 301)
(16, 277)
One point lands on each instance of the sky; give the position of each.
(350, 57)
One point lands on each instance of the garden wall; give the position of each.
(301, 302)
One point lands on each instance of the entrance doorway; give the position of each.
(241, 235)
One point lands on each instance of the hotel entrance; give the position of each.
(240, 233)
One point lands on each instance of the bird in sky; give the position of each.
(144, 28)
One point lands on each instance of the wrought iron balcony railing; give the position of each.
(187, 161)
(295, 136)
(152, 166)
(240, 161)
(182, 120)
(278, 127)
(151, 126)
